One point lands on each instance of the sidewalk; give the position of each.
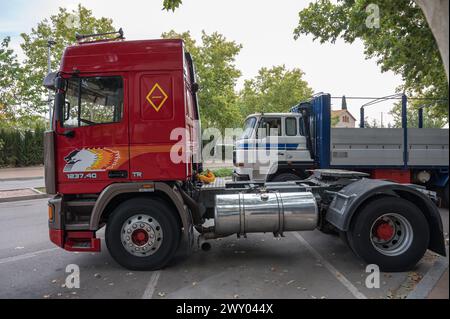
(21, 183)
(440, 291)
(21, 173)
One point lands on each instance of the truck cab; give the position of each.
(282, 132)
(125, 113)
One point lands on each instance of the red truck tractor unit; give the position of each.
(123, 153)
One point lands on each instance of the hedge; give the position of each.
(21, 148)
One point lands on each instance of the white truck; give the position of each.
(303, 140)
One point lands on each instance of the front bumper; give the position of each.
(68, 240)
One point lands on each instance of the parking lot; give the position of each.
(301, 265)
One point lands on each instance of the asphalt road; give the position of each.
(300, 265)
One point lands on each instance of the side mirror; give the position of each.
(60, 83)
(195, 87)
(49, 81)
(59, 106)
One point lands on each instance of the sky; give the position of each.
(263, 27)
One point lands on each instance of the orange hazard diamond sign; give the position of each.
(157, 97)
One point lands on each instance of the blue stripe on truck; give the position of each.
(285, 146)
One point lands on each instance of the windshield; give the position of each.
(249, 124)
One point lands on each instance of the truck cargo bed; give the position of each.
(385, 147)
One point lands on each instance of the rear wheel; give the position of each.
(445, 196)
(142, 234)
(391, 233)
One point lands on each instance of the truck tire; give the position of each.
(285, 177)
(391, 233)
(445, 196)
(143, 234)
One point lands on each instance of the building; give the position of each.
(342, 117)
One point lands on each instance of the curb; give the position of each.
(38, 195)
(20, 178)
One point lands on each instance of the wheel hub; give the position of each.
(391, 234)
(141, 235)
(384, 231)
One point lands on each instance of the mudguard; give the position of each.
(349, 199)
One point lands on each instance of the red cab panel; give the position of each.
(158, 111)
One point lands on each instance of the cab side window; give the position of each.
(301, 126)
(269, 127)
(93, 100)
(291, 126)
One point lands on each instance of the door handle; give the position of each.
(68, 134)
(117, 174)
(280, 153)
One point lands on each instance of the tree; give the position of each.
(217, 75)
(396, 33)
(371, 124)
(274, 90)
(62, 28)
(429, 120)
(334, 120)
(171, 4)
(344, 103)
(10, 73)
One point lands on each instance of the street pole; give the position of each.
(50, 43)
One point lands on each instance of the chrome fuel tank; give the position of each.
(265, 212)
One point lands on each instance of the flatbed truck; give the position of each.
(306, 140)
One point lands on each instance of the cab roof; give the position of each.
(273, 114)
(110, 56)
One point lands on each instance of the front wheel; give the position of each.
(391, 233)
(142, 234)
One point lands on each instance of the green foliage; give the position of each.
(10, 76)
(429, 120)
(171, 4)
(274, 90)
(403, 43)
(21, 148)
(223, 172)
(334, 120)
(61, 28)
(217, 75)
(344, 103)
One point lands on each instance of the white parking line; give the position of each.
(429, 281)
(336, 273)
(26, 256)
(150, 289)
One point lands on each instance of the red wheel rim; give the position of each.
(139, 237)
(384, 231)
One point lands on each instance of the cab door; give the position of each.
(295, 143)
(271, 149)
(92, 137)
(158, 127)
